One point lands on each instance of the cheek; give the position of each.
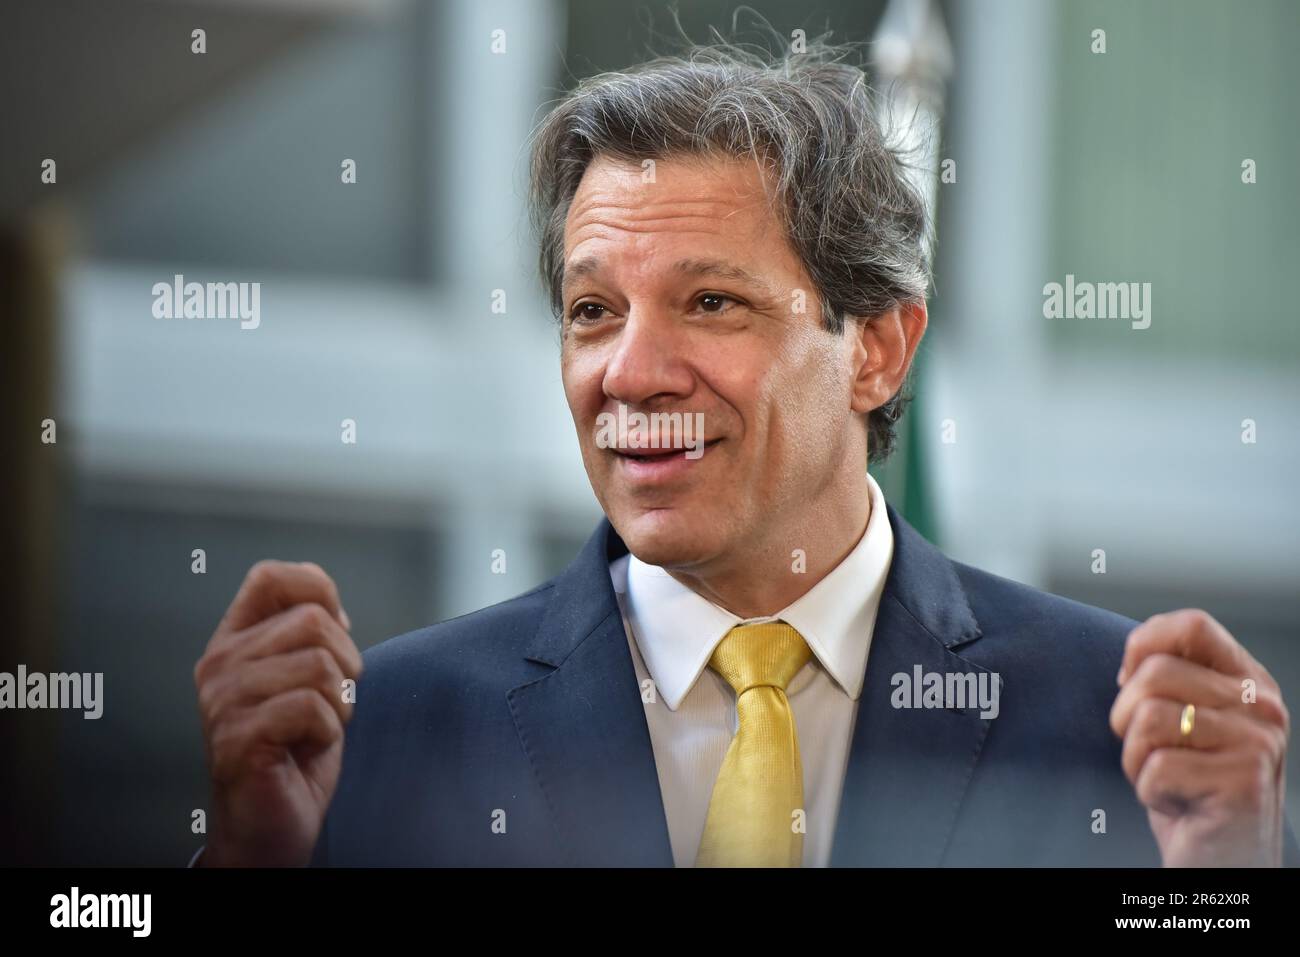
(582, 376)
(746, 376)
(819, 365)
(810, 397)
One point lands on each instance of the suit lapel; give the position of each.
(583, 725)
(908, 768)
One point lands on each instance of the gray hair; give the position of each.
(855, 219)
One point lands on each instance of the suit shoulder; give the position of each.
(1055, 641)
(1003, 604)
(1057, 659)
(495, 634)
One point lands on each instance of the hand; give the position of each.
(270, 689)
(1215, 796)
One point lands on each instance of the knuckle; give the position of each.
(1284, 718)
(1257, 739)
(1197, 618)
(1154, 666)
(1270, 707)
(308, 702)
(207, 693)
(300, 699)
(1148, 785)
(1146, 717)
(1157, 765)
(1129, 756)
(322, 664)
(321, 576)
(1266, 742)
(220, 695)
(208, 669)
(1161, 618)
(322, 713)
(262, 574)
(313, 618)
(1274, 746)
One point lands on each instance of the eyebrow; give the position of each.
(590, 265)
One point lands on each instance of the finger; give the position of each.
(299, 716)
(1177, 679)
(303, 626)
(1175, 780)
(1157, 723)
(273, 586)
(1191, 634)
(255, 681)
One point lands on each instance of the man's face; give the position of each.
(683, 295)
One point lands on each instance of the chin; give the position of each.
(666, 536)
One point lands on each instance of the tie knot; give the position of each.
(769, 653)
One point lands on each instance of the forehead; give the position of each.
(681, 203)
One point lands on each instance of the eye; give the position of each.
(587, 312)
(715, 302)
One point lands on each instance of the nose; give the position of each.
(648, 362)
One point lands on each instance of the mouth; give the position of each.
(657, 465)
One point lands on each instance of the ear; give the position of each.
(882, 353)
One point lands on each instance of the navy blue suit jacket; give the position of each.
(528, 714)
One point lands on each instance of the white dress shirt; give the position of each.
(672, 632)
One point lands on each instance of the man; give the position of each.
(754, 660)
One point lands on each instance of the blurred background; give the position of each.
(1032, 443)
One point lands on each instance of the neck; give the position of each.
(761, 578)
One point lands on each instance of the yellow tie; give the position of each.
(751, 819)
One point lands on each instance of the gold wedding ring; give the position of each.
(1186, 722)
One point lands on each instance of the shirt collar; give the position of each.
(677, 629)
